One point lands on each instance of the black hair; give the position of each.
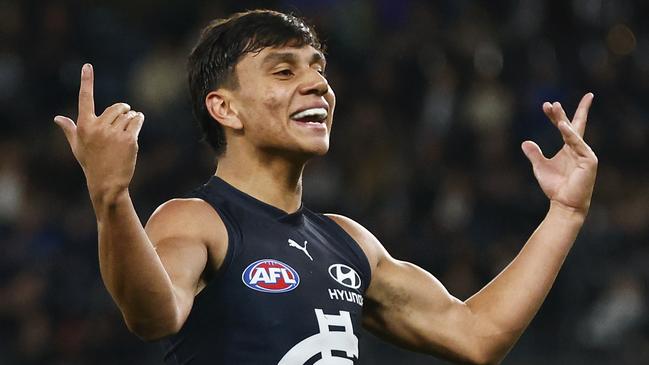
(223, 43)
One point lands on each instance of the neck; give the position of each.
(273, 179)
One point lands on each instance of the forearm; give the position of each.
(508, 303)
(130, 267)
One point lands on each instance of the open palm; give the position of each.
(569, 176)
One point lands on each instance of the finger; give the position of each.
(113, 112)
(122, 121)
(533, 152)
(549, 112)
(574, 140)
(135, 124)
(86, 92)
(559, 113)
(554, 112)
(67, 125)
(581, 114)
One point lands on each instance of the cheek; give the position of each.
(273, 108)
(269, 115)
(271, 100)
(259, 106)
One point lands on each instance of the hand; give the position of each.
(105, 145)
(567, 179)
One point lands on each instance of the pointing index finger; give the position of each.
(86, 93)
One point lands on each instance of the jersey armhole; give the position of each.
(234, 237)
(231, 227)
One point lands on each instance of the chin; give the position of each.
(321, 146)
(299, 153)
(320, 149)
(313, 150)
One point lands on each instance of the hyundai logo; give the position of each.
(345, 275)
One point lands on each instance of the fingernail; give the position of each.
(86, 68)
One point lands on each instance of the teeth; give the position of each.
(313, 114)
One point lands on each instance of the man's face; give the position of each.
(284, 102)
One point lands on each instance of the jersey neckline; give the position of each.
(254, 203)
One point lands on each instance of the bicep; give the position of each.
(188, 237)
(185, 261)
(410, 307)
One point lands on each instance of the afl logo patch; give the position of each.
(345, 275)
(270, 276)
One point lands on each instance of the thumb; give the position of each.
(532, 152)
(67, 125)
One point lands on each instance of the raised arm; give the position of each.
(409, 306)
(152, 277)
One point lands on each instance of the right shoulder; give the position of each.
(187, 214)
(191, 218)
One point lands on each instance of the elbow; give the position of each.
(152, 330)
(473, 353)
(489, 343)
(151, 322)
(488, 354)
(485, 360)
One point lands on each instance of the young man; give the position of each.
(244, 274)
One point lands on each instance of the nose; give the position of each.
(314, 83)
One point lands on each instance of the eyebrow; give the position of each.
(290, 57)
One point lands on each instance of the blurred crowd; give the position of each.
(433, 101)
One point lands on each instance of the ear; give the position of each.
(218, 104)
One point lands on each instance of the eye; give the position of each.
(284, 73)
(319, 69)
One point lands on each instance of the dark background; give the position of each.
(434, 99)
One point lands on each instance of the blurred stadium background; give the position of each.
(434, 99)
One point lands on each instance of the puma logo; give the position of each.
(292, 243)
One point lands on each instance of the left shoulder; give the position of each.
(365, 239)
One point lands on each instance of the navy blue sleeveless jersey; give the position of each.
(289, 292)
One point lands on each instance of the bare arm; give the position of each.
(409, 306)
(152, 276)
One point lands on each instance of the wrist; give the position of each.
(567, 213)
(106, 196)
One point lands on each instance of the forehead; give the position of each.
(271, 55)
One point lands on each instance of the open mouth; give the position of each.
(312, 116)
